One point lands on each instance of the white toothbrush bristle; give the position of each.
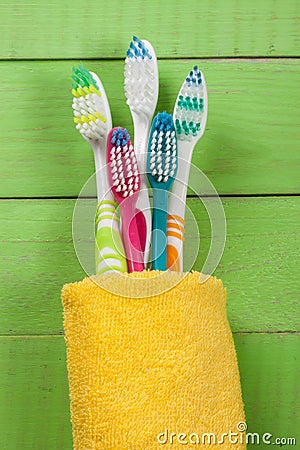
(140, 78)
(162, 146)
(88, 106)
(126, 179)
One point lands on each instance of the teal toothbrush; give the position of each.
(161, 171)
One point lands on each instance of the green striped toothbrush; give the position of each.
(93, 120)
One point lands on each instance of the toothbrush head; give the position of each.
(141, 77)
(90, 105)
(122, 165)
(190, 111)
(162, 156)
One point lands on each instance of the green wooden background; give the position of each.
(249, 52)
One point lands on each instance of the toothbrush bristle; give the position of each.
(88, 108)
(137, 49)
(82, 77)
(123, 164)
(162, 161)
(139, 77)
(189, 109)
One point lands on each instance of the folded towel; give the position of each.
(151, 363)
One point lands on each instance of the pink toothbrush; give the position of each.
(124, 179)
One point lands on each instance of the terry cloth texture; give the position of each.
(151, 372)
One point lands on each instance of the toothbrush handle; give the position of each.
(141, 135)
(110, 255)
(175, 242)
(142, 229)
(177, 205)
(159, 226)
(143, 205)
(131, 240)
(102, 184)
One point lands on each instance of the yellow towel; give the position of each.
(151, 372)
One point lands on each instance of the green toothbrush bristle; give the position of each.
(184, 128)
(184, 125)
(189, 104)
(180, 102)
(83, 78)
(178, 126)
(195, 103)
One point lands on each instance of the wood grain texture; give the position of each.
(259, 266)
(34, 389)
(260, 262)
(250, 145)
(177, 28)
(34, 394)
(269, 364)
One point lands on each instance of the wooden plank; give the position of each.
(260, 262)
(250, 145)
(34, 394)
(34, 389)
(37, 258)
(269, 366)
(259, 266)
(83, 30)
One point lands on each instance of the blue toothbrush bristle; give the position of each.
(163, 122)
(194, 77)
(120, 137)
(114, 137)
(138, 49)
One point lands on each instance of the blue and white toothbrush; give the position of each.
(161, 171)
(190, 114)
(141, 91)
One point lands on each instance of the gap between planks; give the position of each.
(234, 333)
(175, 58)
(71, 197)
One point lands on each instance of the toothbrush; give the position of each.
(189, 115)
(93, 120)
(141, 91)
(124, 179)
(161, 171)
